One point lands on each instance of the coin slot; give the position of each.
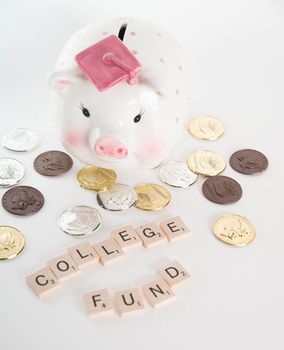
(122, 31)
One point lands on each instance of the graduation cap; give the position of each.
(108, 62)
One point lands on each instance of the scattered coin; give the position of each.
(176, 174)
(11, 172)
(95, 178)
(152, 197)
(119, 197)
(12, 242)
(206, 163)
(53, 163)
(206, 128)
(23, 200)
(234, 229)
(20, 140)
(248, 161)
(79, 220)
(222, 190)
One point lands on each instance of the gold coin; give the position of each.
(152, 197)
(206, 128)
(95, 178)
(206, 163)
(234, 229)
(12, 242)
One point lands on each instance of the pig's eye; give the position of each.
(85, 111)
(138, 117)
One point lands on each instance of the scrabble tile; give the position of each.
(108, 250)
(83, 254)
(157, 292)
(126, 237)
(174, 274)
(174, 228)
(98, 302)
(151, 235)
(42, 282)
(129, 301)
(63, 266)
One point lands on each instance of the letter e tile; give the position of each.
(126, 237)
(174, 228)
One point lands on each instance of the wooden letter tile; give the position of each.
(42, 282)
(98, 302)
(174, 228)
(108, 250)
(129, 301)
(157, 292)
(174, 274)
(83, 254)
(151, 235)
(126, 237)
(63, 266)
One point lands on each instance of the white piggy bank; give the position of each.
(126, 126)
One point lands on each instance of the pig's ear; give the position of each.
(153, 79)
(62, 79)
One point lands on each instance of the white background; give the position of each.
(235, 298)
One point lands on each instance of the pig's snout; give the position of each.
(111, 147)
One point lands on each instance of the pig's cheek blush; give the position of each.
(73, 138)
(154, 148)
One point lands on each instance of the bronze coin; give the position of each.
(23, 200)
(222, 190)
(53, 163)
(248, 161)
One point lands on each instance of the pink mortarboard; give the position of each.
(108, 62)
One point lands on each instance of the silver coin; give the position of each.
(79, 220)
(119, 197)
(11, 172)
(20, 140)
(176, 174)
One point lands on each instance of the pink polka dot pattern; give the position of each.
(159, 93)
(104, 33)
(132, 33)
(161, 60)
(177, 120)
(180, 67)
(134, 52)
(177, 91)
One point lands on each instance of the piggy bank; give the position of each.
(133, 123)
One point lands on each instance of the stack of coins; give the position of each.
(117, 196)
